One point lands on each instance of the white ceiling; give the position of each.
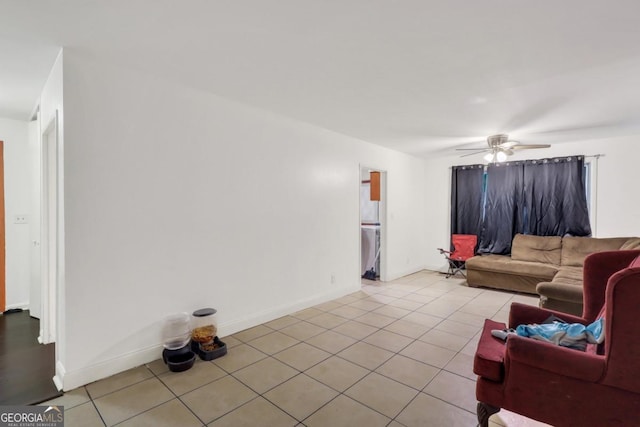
(420, 76)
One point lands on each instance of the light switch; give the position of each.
(20, 219)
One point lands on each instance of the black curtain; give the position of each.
(555, 202)
(503, 207)
(466, 199)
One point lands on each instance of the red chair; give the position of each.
(464, 247)
(562, 386)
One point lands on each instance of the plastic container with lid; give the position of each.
(204, 325)
(176, 332)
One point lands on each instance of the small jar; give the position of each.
(204, 325)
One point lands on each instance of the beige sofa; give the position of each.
(550, 266)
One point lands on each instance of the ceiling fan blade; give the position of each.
(474, 153)
(529, 146)
(508, 144)
(507, 151)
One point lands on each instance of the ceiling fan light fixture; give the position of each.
(501, 156)
(489, 157)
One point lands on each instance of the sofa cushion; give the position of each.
(505, 264)
(569, 276)
(545, 249)
(575, 249)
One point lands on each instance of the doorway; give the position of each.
(373, 190)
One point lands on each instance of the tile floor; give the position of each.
(393, 354)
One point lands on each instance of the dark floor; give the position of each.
(26, 367)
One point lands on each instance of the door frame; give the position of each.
(3, 290)
(50, 230)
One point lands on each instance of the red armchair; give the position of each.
(563, 386)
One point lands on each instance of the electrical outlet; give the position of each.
(333, 278)
(20, 219)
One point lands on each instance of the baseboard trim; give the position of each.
(72, 379)
(20, 305)
(397, 275)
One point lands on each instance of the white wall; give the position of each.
(17, 182)
(617, 208)
(177, 199)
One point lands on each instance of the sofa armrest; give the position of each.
(522, 314)
(598, 267)
(559, 360)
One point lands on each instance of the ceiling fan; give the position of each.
(500, 147)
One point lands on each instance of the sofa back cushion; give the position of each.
(575, 249)
(544, 249)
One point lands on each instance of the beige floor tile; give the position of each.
(432, 292)
(388, 340)
(454, 389)
(157, 367)
(385, 395)
(273, 342)
(307, 313)
(396, 293)
(302, 330)
(302, 356)
(408, 371)
(327, 306)
(301, 396)
(501, 316)
(347, 299)
(423, 299)
(257, 413)
(200, 374)
(355, 330)
(467, 318)
(231, 342)
(408, 329)
(442, 310)
(426, 410)
(252, 333)
(376, 320)
(428, 353)
(84, 415)
(457, 328)
(218, 398)
(282, 322)
(390, 311)
(471, 347)
(462, 365)
(118, 381)
(337, 373)
(241, 356)
(484, 311)
(265, 374)
(346, 412)
(348, 312)
(327, 320)
(70, 399)
(444, 339)
(365, 304)
(365, 355)
(133, 400)
(405, 304)
(171, 414)
(359, 294)
(382, 299)
(331, 341)
(422, 319)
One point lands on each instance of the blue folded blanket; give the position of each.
(572, 335)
